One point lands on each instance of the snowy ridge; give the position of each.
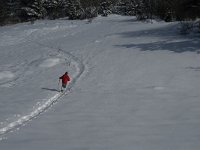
(24, 119)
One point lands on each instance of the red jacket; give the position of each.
(65, 78)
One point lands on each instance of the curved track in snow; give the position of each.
(24, 119)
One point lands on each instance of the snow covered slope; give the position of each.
(135, 86)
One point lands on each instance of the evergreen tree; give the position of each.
(168, 10)
(90, 8)
(10, 10)
(75, 10)
(2, 11)
(65, 10)
(126, 7)
(105, 7)
(32, 9)
(147, 9)
(188, 9)
(56, 8)
(12, 7)
(90, 3)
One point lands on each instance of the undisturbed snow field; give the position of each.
(135, 86)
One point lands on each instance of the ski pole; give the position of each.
(59, 84)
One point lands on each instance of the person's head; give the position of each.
(66, 72)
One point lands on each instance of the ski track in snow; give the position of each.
(80, 67)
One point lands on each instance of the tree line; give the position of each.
(14, 11)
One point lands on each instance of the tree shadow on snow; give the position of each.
(169, 40)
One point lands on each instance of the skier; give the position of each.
(65, 78)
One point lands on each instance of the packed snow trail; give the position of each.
(22, 120)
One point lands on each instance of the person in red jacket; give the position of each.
(65, 78)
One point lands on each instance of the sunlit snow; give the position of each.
(134, 85)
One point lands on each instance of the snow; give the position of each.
(6, 74)
(50, 63)
(135, 85)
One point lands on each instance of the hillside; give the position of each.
(135, 86)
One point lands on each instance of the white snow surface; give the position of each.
(135, 86)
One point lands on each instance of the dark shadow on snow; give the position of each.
(170, 40)
(48, 89)
(194, 68)
(178, 47)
